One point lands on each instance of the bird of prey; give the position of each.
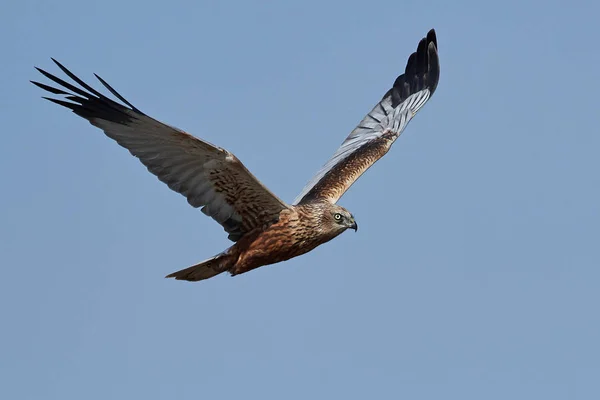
(265, 229)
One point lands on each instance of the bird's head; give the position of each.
(338, 219)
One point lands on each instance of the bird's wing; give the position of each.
(374, 135)
(208, 176)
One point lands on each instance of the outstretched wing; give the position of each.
(372, 138)
(208, 176)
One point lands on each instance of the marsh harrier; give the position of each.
(264, 228)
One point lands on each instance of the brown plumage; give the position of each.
(298, 230)
(265, 229)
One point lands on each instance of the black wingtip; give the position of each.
(434, 67)
(411, 65)
(116, 94)
(76, 79)
(431, 37)
(434, 61)
(88, 103)
(49, 88)
(72, 106)
(422, 71)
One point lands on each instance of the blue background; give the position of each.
(474, 274)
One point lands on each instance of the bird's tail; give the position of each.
(206, 269)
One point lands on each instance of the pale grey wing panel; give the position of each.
(383, 118)
(389, 117)
(208, 176)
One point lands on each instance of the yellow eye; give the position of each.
(337, 216)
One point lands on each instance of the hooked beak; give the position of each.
(354, 226)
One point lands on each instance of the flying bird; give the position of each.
(265, 229)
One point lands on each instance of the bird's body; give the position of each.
(265, 229)
(296, 231)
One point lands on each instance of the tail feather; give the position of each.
(204, 270)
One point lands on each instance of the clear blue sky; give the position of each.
(475, 271)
